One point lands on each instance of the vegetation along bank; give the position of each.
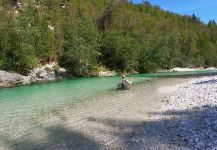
(83, 36)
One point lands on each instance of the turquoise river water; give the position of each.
(21, 102)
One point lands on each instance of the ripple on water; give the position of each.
(21, 106)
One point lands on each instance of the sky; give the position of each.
(204, 9)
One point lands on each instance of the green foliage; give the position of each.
(16, 55)
(83, 35)
(80, 47)
(157, 56)
(119, 52)
(1, 55)
(35, 31)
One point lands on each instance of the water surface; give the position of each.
(18, 104)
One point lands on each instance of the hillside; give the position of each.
(84, 35)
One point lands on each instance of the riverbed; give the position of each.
(85, 113)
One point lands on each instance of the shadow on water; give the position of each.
(57, 138)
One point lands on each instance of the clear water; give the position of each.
(30, 101)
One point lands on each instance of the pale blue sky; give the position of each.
(204, 9)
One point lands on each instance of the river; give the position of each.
(22, 108)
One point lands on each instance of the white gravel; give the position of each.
(192, 107)
(186, 119)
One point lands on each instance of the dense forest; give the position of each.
(82, 35)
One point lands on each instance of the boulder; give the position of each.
(47, 72)
(11, 79)
(103, 72)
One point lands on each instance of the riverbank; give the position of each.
(178, 69)
(47, 72)
(189, 115)
(169, 114)
(109, 121)
(52, 72)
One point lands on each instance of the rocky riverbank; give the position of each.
(190, 114)
(165, 114)
(46, 72)
(178, 69)
(10, 79)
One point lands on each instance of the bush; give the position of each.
(16, 55)
(119, 52)
(35, 31)
(80, 48)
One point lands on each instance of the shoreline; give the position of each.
(192, 108)
(174, 113)
(46, 73)
(107, 122)
(179, 69)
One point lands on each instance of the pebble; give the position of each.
(195, 102)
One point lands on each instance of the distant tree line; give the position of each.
(84, 35)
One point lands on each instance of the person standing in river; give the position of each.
(124, 84)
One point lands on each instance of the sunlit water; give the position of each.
(31, 101)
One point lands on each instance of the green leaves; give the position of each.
(35, 30)
(83, 35)
(17, 56)
(80, 47)
(119, 52)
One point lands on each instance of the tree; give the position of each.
(17, 55)
(83, 35)
(119, 52)
(80, 48)
(35, 30)
(105, 22)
